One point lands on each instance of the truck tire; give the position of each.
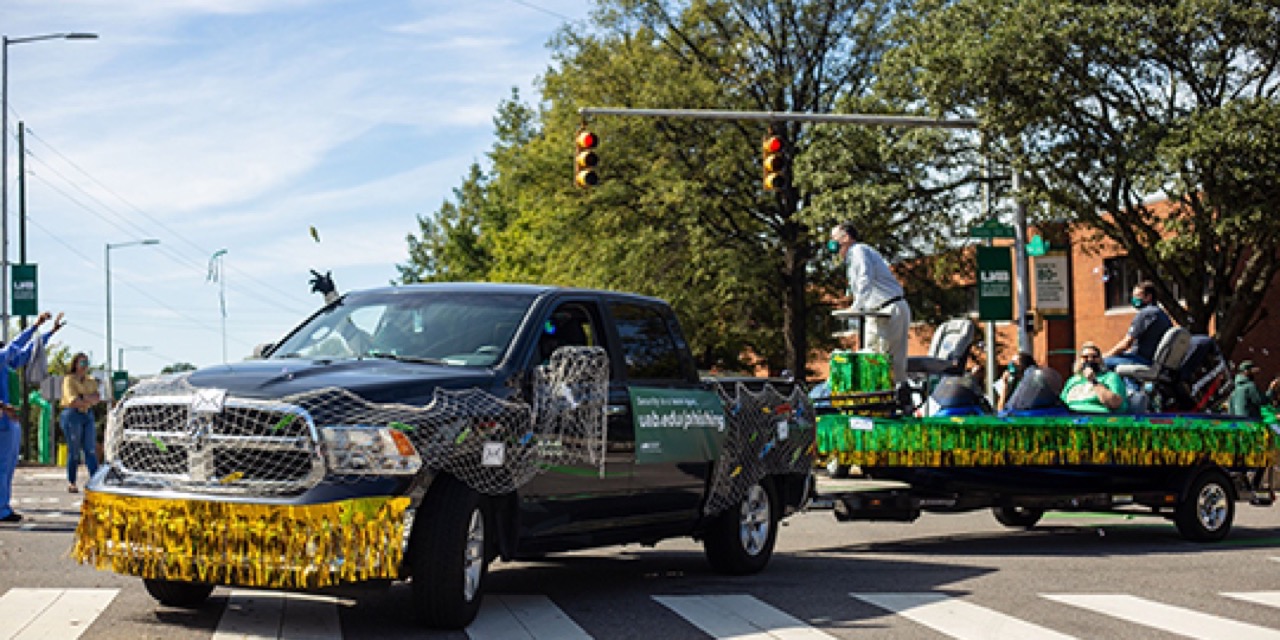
(740, 540)
(188, 595)
(1017, 517)
(449, 550)
(1207, 510)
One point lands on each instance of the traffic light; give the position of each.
(585, 159)
(775, 163)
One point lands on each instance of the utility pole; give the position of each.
(1021, 264)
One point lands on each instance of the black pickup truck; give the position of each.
(419, 432)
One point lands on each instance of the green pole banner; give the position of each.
(995, 283)
(23, 290)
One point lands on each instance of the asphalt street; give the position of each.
(952, 575)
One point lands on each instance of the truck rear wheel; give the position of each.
(1017, 517)
(449, 549)
(740, 540)
(188, 595)
(1207, 510)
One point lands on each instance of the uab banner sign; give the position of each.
(995, 283)
(23, 293)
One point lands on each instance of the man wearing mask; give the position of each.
(1246, 399)
(874, 288)
(1092, 388)
(1138, 346)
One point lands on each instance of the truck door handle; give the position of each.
(615, 410)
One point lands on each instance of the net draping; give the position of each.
(272, 546)
(768, 433)
(164, 433)
(1062, 440)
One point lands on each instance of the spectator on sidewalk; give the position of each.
(79, 397)
(1246, 400)
(14, 355)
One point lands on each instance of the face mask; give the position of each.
(1136, 302)
(833, 246)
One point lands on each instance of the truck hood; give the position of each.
(374, 380)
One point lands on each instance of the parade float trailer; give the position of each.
(416, 433)
(1188, 467)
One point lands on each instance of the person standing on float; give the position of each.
(874, 288)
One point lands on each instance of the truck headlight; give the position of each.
(369, 450)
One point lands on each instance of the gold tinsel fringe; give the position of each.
(252, 545)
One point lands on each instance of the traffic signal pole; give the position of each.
(789, 116)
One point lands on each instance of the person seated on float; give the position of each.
(1013, 374)
(1092, 388)
(1138, 346)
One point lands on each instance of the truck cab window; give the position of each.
(647, 344)
(569, 326)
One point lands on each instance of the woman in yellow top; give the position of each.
(79, 395)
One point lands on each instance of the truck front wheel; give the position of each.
(450, 556)
(740, 540)
(187, 595)
(1207, 510)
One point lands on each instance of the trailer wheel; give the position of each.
(740, 540)
(188, 595)
(1017, 517)
(1207, 510)
(449, 551)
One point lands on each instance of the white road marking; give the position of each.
(520, 617)
(956, 618)
(1157, 615)
(740, 617)
(272, 615)
(54, 614)
(1269, 598)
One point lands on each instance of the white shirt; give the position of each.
(871, 282)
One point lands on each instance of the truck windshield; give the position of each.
(452, 328)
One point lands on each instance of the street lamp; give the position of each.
(107, 261)
(4, 162)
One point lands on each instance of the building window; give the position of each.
(1120, 276)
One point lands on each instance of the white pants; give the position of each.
(889, 335)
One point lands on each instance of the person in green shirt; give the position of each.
(1246, 399)
(1092, 388)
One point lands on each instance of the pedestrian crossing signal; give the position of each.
(775, 163)
(585, 159)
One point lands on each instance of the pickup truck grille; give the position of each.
(248, 447)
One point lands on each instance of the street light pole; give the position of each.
(107, 264)
(216, 275)
(4, 162)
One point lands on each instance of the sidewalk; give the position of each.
(40, 495)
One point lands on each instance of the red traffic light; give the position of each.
(585, 160)
(775, 163)
(773, 144)
(587, 140)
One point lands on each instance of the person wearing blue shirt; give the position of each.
(1138, 346)
(14, 355)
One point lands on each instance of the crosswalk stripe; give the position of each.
(1166, 617)
(520, 617)
(956, 618)
(61, 614)
(1269, 598)
(267, 614)
(740, 617)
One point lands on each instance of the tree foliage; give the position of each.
(681, 212)
(1109, 106)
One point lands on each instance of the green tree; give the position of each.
(1103, 105)
(681, 212)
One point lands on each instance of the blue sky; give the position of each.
(238, 125)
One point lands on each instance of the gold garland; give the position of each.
(252, 545)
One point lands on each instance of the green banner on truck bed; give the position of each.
(677, 424)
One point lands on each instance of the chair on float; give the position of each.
(1165, 368)
(948, 351)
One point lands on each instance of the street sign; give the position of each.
(119, 383)
(1037, 247)
(24, 293)
(995, 283)
(1053, 285)
(990, 228)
